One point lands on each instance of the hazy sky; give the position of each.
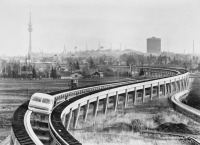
(79, 22)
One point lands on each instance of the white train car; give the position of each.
(41, 103)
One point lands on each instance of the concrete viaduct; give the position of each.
(77, 104)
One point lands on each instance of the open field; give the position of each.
(124, 127)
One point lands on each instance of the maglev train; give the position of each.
(41, 103)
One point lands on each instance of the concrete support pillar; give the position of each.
(165, 89)
(143, 95)
(96, 106)
(175, 86)
(116, 101)
(135, 96)
(69, 119)
(151, 92)
(171, 86)
(188, 81)
(167, 85)
(63, 120)
(185, 83)
(158, 91)
(179, 85)
(66, 120)
(126, 99)
(86, 110)
(186, 86)
(77, 112)
(105, 104)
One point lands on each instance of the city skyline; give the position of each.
(113, 23)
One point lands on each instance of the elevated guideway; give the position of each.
(23, 132)
(183, 108)
(69, 111)
(71, 102)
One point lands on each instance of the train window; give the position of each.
(37, 99)
(47, 101)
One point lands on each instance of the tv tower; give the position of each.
(193, 47)
(30, 30)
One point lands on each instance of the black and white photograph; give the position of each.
(99, 72)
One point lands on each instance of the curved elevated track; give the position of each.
(71, 102)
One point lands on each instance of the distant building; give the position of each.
(153, 45)
(98, 74)
(76, 75)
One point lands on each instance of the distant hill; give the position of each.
(109, 52)
(132, 51)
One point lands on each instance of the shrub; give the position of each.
(158, 119)
(136, 125)
(193, 98)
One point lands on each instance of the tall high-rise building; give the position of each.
(153, 45)
(30, 47)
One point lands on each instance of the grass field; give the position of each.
(123, 127)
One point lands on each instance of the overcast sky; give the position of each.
(106, 22)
